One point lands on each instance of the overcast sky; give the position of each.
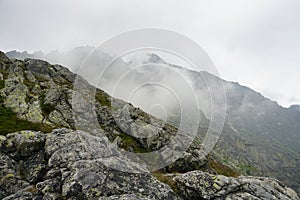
(254, 42)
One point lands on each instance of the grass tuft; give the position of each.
(131, 143)
(9, 123)
(222, 169)
(102, 98)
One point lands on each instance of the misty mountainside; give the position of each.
(71, 59)
(259, 136)
(51, 147)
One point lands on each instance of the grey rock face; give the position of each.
(22, 161)
(124, 197)
(72, 164)
(77, 165)
(85, 164)
(201, 185)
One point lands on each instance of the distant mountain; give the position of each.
(70, 59)
(259, 137)
(24, 54)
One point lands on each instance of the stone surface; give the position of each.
(201, 185)
(78, 165)
(72, 164)
(82, 154)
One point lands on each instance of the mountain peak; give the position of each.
(154, 58)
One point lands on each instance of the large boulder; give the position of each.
(72, 165)
(201, 185)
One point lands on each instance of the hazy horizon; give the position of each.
(254, 43)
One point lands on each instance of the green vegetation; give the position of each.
(225, 161)
(247, 169)
(131, 143)
(102, 98)
(128, 142)
(1, 84)
(9, 122)
(222, 169)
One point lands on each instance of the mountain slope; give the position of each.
(87, 164)
(259, 136)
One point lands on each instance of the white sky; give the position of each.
(254, 42)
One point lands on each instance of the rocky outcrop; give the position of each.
(68, 164)
(72, 165)
(256, 126)
(51, 150)
(201, 185)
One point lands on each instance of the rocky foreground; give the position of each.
(44, 156)
(59, 165)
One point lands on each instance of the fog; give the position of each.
(253, 42)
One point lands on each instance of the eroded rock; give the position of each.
(201, 185)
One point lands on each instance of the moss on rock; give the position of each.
(9, 122)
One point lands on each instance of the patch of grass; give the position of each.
(222, 169)
(9, 122)
(226, 161)
(2, 84)
(247, 169)
(131, 143)
(164, 178)
(128, 142)
(102, 98)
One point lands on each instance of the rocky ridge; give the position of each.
(260, 137)
(45, 155)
